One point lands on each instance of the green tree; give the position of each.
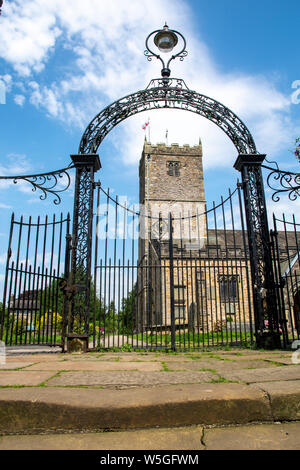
(127, 313)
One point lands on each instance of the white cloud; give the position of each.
(7, 79)
(15, 164)
(5, 206)
(101, 45)
(3, 258)
(27, 35)
(19, 100)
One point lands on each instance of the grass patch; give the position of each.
(44, 384)
(223, 380)
(187, 338)
(165, 367)
(225, 359)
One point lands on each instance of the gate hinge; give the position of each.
(243, 184)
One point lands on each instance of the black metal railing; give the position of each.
(286, 255)
(167, 281)
(31, 311)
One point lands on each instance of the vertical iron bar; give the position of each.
(172, 283)
(9, 253)
(96, 271)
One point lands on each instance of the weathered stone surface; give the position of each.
(252, 437)
(219, 366)
(32, 358)
(9, 378)
(152, 439)
(125, 379)
(258, 437)
(14, 365)
(18, 350)
(265, 375)
(98, 366)
(284, 398)
(42, 409)
(281, 360)
(254, 355)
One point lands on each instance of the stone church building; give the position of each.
(207, 262)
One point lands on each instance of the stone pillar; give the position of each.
(266, 311)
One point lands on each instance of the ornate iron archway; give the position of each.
(171, 93)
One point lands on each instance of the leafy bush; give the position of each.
(51, 318)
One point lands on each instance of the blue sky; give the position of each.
(62, 62)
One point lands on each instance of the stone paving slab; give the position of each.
(125, 379)
(17, 350)
(152, 439)
(8, 378)
(98, 366)
(34, 358)
(165, 357)
(14, 365)
(219, 366)
(279, 436)
(281, 360)
(284, 398)
(258, 437)
(262, 356)
(150, 356)
(267, 374)
(54, 409)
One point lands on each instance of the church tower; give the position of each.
(171, 180)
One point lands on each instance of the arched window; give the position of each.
(173, 169)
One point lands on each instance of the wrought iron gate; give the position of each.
(171, 282)
(33, 304)
(286, 257)
(159, 281)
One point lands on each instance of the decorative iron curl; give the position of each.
(281, 181)
(45, 182)
(167, 83)
(149, 53)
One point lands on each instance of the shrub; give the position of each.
(54, 318)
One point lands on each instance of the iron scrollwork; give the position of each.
(281, 181)
(47, 183)
(149, 53)
(173, 96)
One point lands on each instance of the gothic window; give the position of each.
(173, 169)
(179, 302)
(228, 288)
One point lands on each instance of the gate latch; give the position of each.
(70, 289)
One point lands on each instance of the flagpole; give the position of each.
(149, 130)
